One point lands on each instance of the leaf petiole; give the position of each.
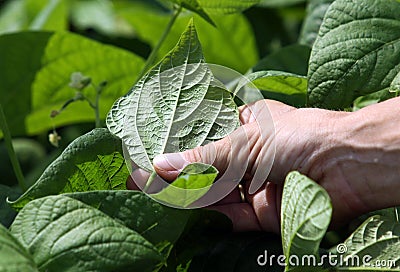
(150, 60)
(11, 152)
(150, 181)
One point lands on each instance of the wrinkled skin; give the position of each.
(354, 156)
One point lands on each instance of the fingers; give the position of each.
(168, 166)
(266, 205)
(241, 214)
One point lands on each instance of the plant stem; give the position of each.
(10, 149)
(150, 181)
(150, 60)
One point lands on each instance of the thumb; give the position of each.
(169, 165)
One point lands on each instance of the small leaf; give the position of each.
(192, 183)
(372, 98)
(13, 256)
(378, 238)
(155, 222)
(177, 106)
(306, 212)
(64, 234)
(357, 52)
(93, 161)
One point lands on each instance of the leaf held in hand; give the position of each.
(177, 105)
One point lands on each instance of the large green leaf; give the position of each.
(42, 64)
(376, 241)
(178, 105)
(316, 10)
(192, 183)
(357, 52)
(64, 234)
(305, 215)
(155, 222)
(231, 43)
(93, 161)
(13, 256)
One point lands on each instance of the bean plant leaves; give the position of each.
(64, 234)
(293, 59)
(372, 98)
(285, 87)
(280, 82)
(192, 183)
(155, 222)
(379, 238)
(231, 43)
(226, 6)
(194, 6)
(395, 85)
(30, 92)
(13, 256)
(178, 105)
(93, 161)
(357, 52)
(316, 10)
(306, 212)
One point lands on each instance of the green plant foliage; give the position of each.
(395, 85)
(226, 6)
(53, 57)
(155, 222)
(286, 87)
(279, 3)
(192, 183)
(93, 161)
(7, 214)
(316, 10)
(194, 6)
(71, 236)
(292, 59)
(231, 43)
(305, 215)
(346, 60)
(197, 107)
(34, 15)
(372, 98)
(378, 238)
(14, 257)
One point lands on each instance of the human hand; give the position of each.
(324, 145)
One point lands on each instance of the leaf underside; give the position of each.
(306, 212)
(176, 106)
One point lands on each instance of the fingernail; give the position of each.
(169, 162)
